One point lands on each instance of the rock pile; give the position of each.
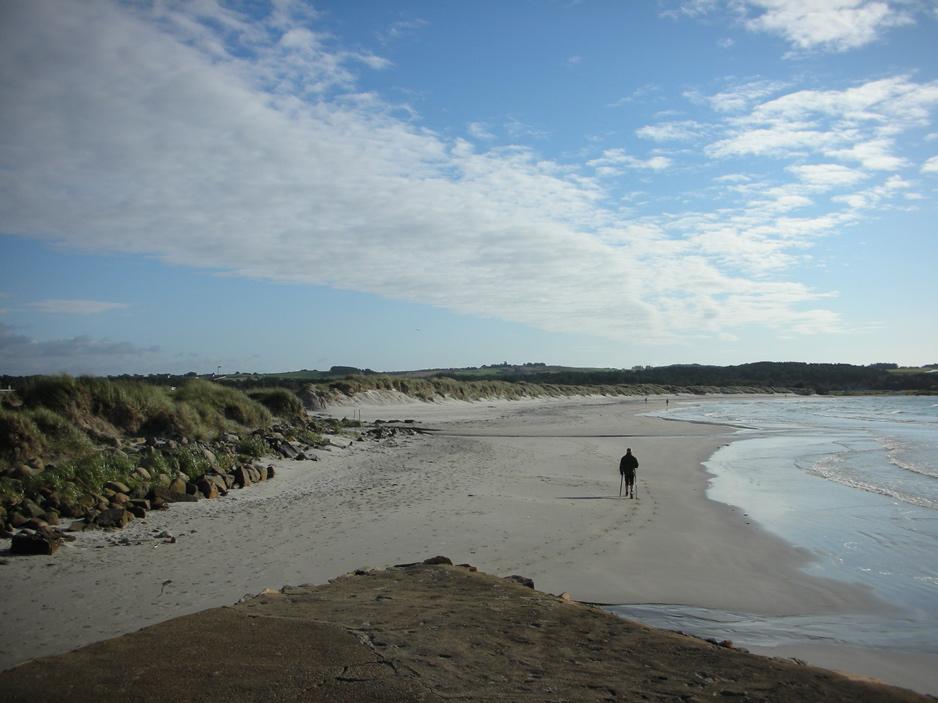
(161, 476)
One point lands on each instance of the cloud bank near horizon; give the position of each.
(195, 134)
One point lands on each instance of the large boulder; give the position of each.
(178, 485)
(162, 495)
(287, 450)
(117, 487)
(242, 477)
(207, 487)
(31, 508)
(40, 542)
(113, 517)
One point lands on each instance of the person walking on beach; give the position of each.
(627, 466)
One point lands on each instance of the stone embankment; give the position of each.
(41, 523)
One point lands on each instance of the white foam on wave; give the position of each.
(827, 468)
(894, 448)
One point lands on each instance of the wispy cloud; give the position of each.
(808, 25)
(613, 161)
(855, 124)
(75, 306)
(250, 149)
(479, 130)
(931, 165)
(830, 25)
(675, 131)
(402, 29)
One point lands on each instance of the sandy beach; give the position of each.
(513, 487)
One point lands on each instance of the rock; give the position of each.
(208, 454)
(31, 508)
(17, 520)
(565, 596)
(242, 477)
(22, 472)
(207, 488)
(44, 542)
(35, 523)
(229, 480)
(163, 480)
(192, 489)
(141, 503)
(142, 473)
(117, 487)
(439, 560)
(114, 517)
(119, 499)
(178, 485)
(137, 511)
(286, 450)
(523, 580)
(77, 526)
(182, 476)
(70, 508)
(52, 517)
(168, 495)
(270, 471)
(87, 501)
(231, 437)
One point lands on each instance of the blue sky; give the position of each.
(282, 185)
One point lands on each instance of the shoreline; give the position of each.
(540, 504)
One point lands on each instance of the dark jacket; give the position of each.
(628, 464)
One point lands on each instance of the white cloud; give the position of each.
(402, 29)
(856, 124)
(827, 175)
(574, 60)
(480, 131)
(75, 306)
(931, 165)
(874, 197)
(740, 97)
(832, 25)
(875, 155)
(250, 150)
(613, 161)
(677, 131)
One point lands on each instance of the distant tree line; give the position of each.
(797, 376)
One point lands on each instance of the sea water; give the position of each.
(853, 480)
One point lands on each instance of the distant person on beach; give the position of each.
(627, 466)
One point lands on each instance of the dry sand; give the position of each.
(514, 487)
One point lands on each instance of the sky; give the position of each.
(279, 185)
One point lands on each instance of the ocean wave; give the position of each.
(894, 448)
(827, 468)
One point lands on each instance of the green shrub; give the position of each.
(253, 447)
(20, 437)
(278, 401)
(219, 407)
(60, 437)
